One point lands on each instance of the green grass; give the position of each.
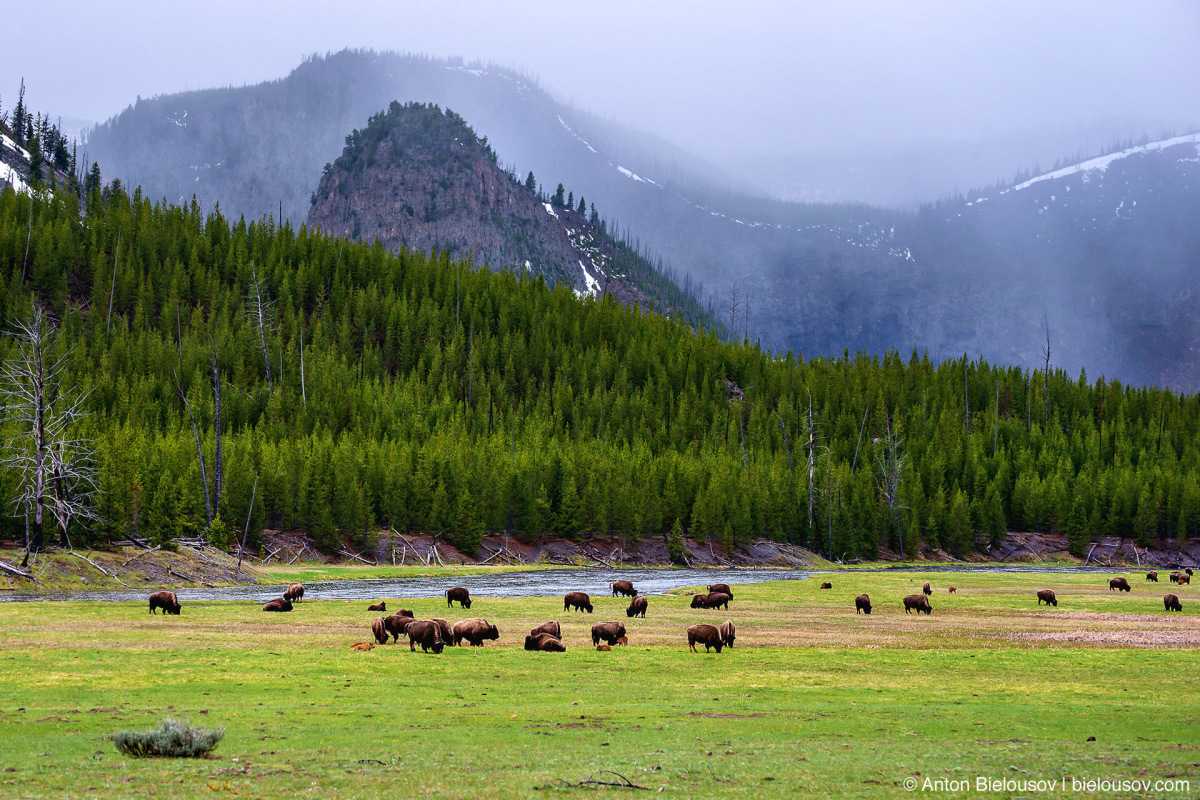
(815, 700)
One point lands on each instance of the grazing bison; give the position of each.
(167, 601)
(623, 588)
(379, 631)
(578, 601)
(1152, 577)
(1175, 576)
(611, 632)
(1119, 584)
(404, 612)
(446, 631)
(953, 590)
(927, 589)
(728, 633)
(1188, 570)
(545, 643)
(919, 602)
(294, 593)
(723, 588)
(862, 603)
(827, 585)
(1047, 596)
(278, 604)
(550, 627)
(707, 635)
(1171, 602)
(427, 633)
(637, 607)
(459, 594)
(474, 631)
(380, 606)
(711, 600)
(396, 625)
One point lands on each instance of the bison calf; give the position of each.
(728, 633)
(167, 601)
(919, 602)
(637, 607)
(707, 635)
(294, 593)
(380, 606)
(427, 633)
(1119, 584)
(278, 604)
(578, 601)
(545, 643)
(1171, 602)
(862, 603)
(1047, 596)
(460, 595)
(623, 588)
(474, 631)
(611, 632)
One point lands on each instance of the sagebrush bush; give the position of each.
(172, 739)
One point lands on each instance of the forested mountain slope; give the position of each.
(398, 390)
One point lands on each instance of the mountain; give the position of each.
(418, 178)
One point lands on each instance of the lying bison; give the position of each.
(460, 595)
(1119, 584)
(1171, 602)
(637, 607)
(578, 601)
(927, 589)
(862, 603)
(380, 606)
(1047, 596)
(1152, 577)
(610, 632)
(728, 633)
(711, 600)
(278, 604)
(624, 588)
(826, 585)
(167, 601)
(707, 635)
(545, 643)
(427, 633)
(723, 588)
(474, 631)
(550, 627)
(1185, 580)
(919, 602)
(294, 593)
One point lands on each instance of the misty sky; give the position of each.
(887, 102)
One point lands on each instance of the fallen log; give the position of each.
(97, 566)
(20, 573)
(346, 552)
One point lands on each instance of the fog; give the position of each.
(884, 102)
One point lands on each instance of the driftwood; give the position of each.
(346, 552)
(269, 555)
(622, 783)
(181, 575)
(20, 573)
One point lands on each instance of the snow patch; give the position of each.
(1101, 163)
(571, 131)
(13, 177)
(21, 151)
(180, 121)
(633, 176)
(593, 285)
(550, 210)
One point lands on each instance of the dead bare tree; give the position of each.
(811, 446)
(57, 478)
(890, 463)
(218, 460)
(1046, 369)
(261, 312)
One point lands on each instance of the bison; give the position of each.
(578, 601)
(707, 635)
(723, 588)
(953, 590)
(380, 606)
(1188, 570)
(167, 601)
(1047, 596)
(920, 602)
(604, 648)
(637, 607)
(728, 633)
(927, 589)
(711, 600)
(826, 585)
(545, 643)
(1185, 580)
(1119, 584)
(862, 603)
(446, 630)
(379, 631)
(427, 633)
(396, 625)
(1171, 602)
(278, 604)
(1152, 577)
(404, 612)
(550, 627)
(611, 632)
(294, 593)
(1175, 576)
(362, 646)
(624, 588)
(474, 631)
(460, 595)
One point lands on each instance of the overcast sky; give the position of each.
(886, 101)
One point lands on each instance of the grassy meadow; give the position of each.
(813, 700)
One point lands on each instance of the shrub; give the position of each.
(172, 739)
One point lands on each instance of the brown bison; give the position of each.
(550, 627)
(1185, 580)
(707, 635)
(711, 600)
(578, 601)
(362, 646)
(826, 585)
(611, 632)
(167, 601)
(604, 648)
(545, 643)
(637, 607)
(728, 633)
(396, 626)
(1047, 596)
(474, 631)
(623, 588)
(1175, 576)
(427, 633)
(862, 603)
(380, 606)
(723, 588)
(1171, 602)
(446, 630)
(1119, 584)
(1152, 577)
(953, 590)
(919, 602)
(927, 589)
(294, 593)
(278, 604)
(459, 594)
(379, 631)
(404, 612)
